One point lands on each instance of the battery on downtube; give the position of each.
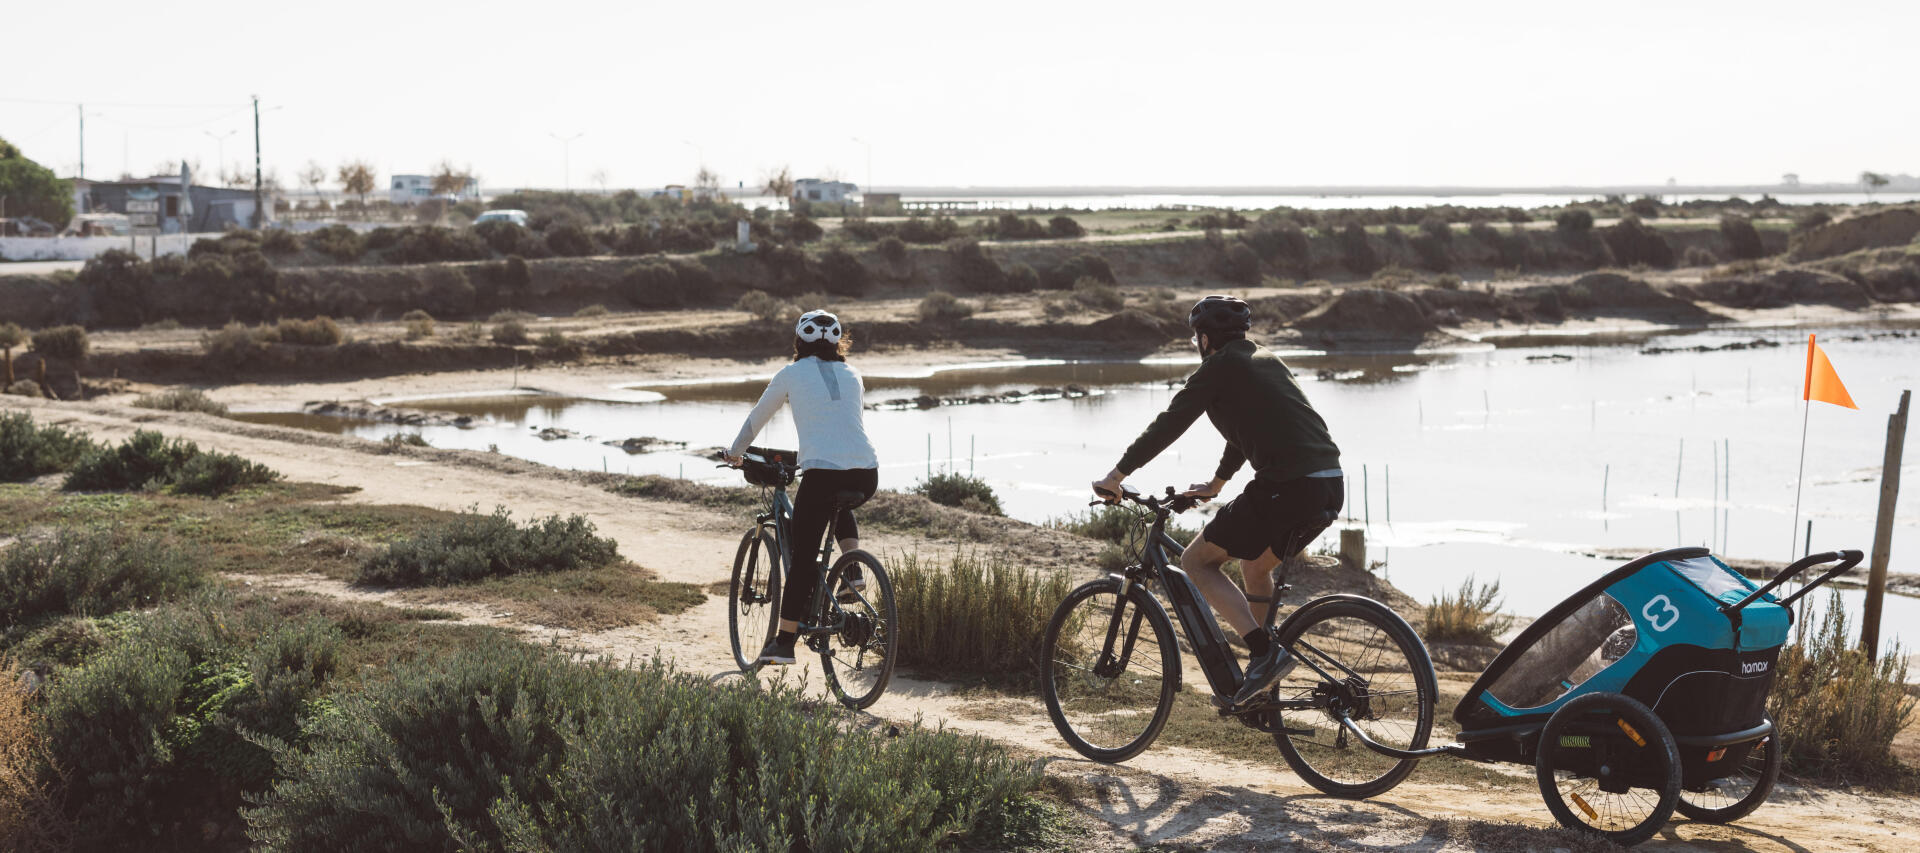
(1209, 645)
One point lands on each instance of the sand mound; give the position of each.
(1137, 325)
(1368, 314)
(1894, 227)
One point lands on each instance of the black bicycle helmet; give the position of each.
(1219, 313)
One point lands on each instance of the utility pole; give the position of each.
(867, 188)
(566, 158)
(82, 110)
(1883, 530)
(258, 214)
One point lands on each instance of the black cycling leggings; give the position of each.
(812, 504)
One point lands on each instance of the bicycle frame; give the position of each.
(780, 513)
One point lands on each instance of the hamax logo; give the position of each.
(1753, 667)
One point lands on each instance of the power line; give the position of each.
(46, 103)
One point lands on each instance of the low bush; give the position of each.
(1021, 278)
(429, 244)
(235, 345)
(1117, 525)
(1239, 265)
(182, 400)
(316, 332)
(960, 490)
(1743, 241)
(928, 231)
(419, 324)
(1065, 227)
(29, 813)
(510, 333)
(339, 242)
(570, 241)
(975, 270)
(1009, 226)
(804, 230)
(87, 572)
(416, 761)
(28, 450)
(1699, 256)
(653, 285)
(941, 307)
(1099, 296)
(1574, 220)
(1634, 243)
(63, 343)
(149, 461)
(1469, 615)
(1812, 220)
(1063, 275)
(594, 310)
(839, 271)
(765, 307)
(974, 616)
(1356, 250)
(1837, 712)
(472, 547)
(893, 249)
(402, 440)
(279, 241)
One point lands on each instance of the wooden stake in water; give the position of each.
(1883, 529)
(973, 444)
(1677, 462)
(1389, 495)
(1366, 499)
(1486, 407)
(1713, 535)
(1606, 474)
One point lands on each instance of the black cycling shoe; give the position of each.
(776, 653)
(1263, 672)
(852, 585)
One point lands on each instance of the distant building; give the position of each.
(413, 189)
(880, 202)
(814, 189)
(211, 208)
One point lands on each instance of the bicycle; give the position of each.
(853, 630)
(1111, 686)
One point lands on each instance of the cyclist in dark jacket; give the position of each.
(1251, 397)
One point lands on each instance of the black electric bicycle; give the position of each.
(853, 628)
(1110, 669)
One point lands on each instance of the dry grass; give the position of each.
(1838, 712)
(1470, 615)
(974, 616)
(29, 818)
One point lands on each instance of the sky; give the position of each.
(1005, 94)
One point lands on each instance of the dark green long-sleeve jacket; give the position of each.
(1253, 400)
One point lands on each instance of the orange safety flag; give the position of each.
(1823, 383)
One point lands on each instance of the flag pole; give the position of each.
(1800, 481)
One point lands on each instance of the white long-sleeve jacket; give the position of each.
(825, 396)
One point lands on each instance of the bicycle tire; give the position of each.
(858, 659)
(1084, 704)
(1633, 741)
(756, 576)
(1368, 642)
(1761, 776)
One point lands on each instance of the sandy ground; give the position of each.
(1168, 795)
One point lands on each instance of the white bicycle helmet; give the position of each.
(818, 325)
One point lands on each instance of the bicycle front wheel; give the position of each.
(1359, 658)
(1109, 668)
(859, 657)
(753, 597)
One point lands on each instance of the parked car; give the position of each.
(517, 217)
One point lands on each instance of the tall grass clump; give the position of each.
(87, 572)
(419, 324)
(614, 759)
(1468, 615)
(316, 332)
(941, 307)
(960, 490)
(29, 814)
(472, 547)
(149, 461)
(182, 400)
(28, 450)
(1836, 711)
(974, 616)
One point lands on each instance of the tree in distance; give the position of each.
(1871, 181)
(450, 181)
(31, 189)
(356, 178)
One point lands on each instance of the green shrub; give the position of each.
(959, 490)
(279, 241)
(842, 273)
(1063, 275)
(893, 249)
(28, 450)
(1448, 281)
(1471, 615)
(87, 572)
(510, 333)
(1065, 227)
(804, 230)
(597, 752)
(1118, 525)
(1356, 250)
(1645, 207)
(975, 270)
(1634, 243)
(1097, 295)
(64, 343)
(929, 231)
(149, 461)
(941, 307)
(471, 547)
(338, 242)
(1239, 265)
(594, 310)
(1812, 220)
(1021, 278)
(401, 440)
(317, 332)
(236, 345)
(182, 400)
(429, 244)
(653, 285)
(974, 616)
(570, 241)
(1699, 256)
(1837, 712)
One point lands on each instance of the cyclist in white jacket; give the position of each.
(824, 392)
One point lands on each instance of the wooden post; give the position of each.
(9, 367)
(41, 375)
(1883, 529)
(1353, 548)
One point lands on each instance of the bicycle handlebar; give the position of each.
(1172, 501)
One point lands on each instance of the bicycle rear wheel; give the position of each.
(1607, 766)
(753, 597)
(1735, 796)
(1109, 668)
(1382, 679)
(859, 658)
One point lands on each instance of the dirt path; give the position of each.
(1168, 795)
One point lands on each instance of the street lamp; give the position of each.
(566, 158)
(220, 143)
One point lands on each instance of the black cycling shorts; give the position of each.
(1284, 517)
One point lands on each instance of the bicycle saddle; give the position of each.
(849, 500)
